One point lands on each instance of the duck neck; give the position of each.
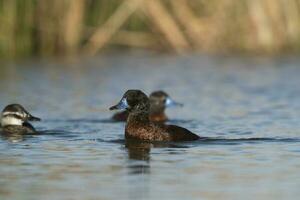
(139, 115)
(157, 110)
(157, 113)
(138, 118)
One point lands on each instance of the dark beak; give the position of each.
(115, 107)
(121, 105)
(33, 118)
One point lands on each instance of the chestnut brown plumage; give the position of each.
(139, 126)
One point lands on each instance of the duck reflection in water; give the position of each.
(140, 151)
(14, 137)
(139, 164)
(139, 156)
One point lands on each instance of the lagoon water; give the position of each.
(249, 107)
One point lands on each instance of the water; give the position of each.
(248, 107)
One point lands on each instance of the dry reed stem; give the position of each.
(263, 29)
(135, 39)
(189, 21)
(161, 18)
(276, 18)
(104, 33)
(48, 17)
(292, 16)
(72, 25)
(8, 27)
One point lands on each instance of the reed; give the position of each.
(72, 27)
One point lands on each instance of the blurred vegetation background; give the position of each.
(79, 27)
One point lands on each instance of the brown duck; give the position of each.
(139, 126)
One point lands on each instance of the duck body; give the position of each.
(139, 126)
(156, 132)
(24, 129)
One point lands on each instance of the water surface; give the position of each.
(249, 108)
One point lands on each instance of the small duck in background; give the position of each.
(139, 126)
(14, 120)
(159, 101)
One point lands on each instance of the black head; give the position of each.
(15, 114)
(160, 99)
(133, 100)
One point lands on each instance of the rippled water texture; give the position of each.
(249, 107)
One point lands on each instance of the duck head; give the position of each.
(15, 114)
(133, 100)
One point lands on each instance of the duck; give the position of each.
(15, 120)
(159, 101)
(140, 127)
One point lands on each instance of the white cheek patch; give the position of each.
(11, 121)
(22, 115)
